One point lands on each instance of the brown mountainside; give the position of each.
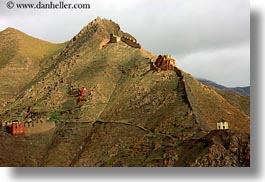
(133, 114)
(20, 58)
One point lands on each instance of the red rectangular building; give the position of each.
(17, 129)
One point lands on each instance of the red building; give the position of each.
(17, 128)
(79, 100)
(83, 91)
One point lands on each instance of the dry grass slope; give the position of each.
(20, 57)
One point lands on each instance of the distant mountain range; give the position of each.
(240, 90)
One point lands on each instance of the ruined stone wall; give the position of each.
(184, 88)
(114, 39)
(103, 43)
(32, 127)
(178, 71)
(38, 126)
(165, 63)
(131, 42)
(126, 39)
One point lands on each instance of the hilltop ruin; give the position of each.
(126, 39)
(165, 62)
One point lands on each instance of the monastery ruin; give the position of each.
(126, 39)
(165, 62)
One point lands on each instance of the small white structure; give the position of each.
(222, 125)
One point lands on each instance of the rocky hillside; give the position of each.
(20, 61)
(133, 114)
(218, 148)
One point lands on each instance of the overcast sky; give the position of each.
(208, 38)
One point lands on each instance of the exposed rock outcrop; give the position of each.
(223, 149)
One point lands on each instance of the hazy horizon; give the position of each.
(209, 39)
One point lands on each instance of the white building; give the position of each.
(222, 125)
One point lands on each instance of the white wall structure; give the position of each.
(222, 125)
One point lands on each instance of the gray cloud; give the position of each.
(229, 66)
(183, 28)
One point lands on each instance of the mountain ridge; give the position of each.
(240, 90)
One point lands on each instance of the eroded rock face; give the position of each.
(224, 149)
